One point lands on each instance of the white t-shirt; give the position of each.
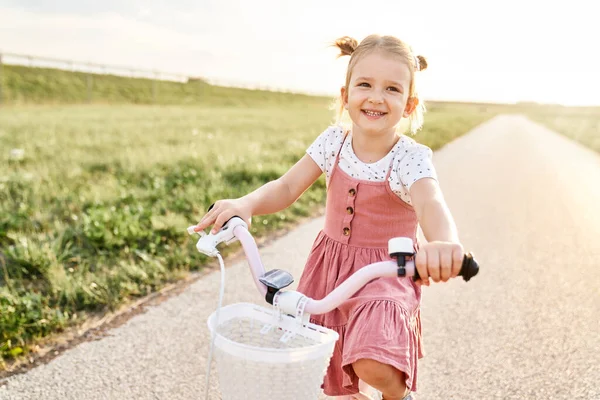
(411, 161)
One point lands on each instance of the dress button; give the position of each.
(346, 231)
(352, 192)
(350, 210)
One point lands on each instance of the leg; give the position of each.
(382, 377)
(367, 391)
(358, 396)
(363, 394)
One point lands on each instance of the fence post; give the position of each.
(1, 79)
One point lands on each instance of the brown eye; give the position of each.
(394, 89)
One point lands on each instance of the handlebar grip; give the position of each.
(469, 268)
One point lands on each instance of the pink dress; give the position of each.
(381, 321)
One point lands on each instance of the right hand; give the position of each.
(439, 261)
(222, 211)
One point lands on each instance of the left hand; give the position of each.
(439, 261)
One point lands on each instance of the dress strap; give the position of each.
(389, 173)
(337, 157)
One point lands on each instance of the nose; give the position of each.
(375, 100)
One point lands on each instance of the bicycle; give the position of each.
(257, 348)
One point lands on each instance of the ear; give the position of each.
(344, 96)
(411, 104)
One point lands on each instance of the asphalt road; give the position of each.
(527, 203)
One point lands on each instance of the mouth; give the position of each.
(371, 114)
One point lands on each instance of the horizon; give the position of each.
(529, 54)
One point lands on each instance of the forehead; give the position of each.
(377, 65)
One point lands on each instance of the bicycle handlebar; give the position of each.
(270, 284)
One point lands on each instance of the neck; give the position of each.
(370, 148)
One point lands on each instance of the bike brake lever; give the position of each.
(207, 244)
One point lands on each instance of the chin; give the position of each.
(372, 129)
(373, 132)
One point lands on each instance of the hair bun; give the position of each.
(422, 63)
(347, 45)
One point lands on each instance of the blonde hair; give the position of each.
(391, 45)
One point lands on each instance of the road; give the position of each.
(527, 203)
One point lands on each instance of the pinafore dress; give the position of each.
(382, 320)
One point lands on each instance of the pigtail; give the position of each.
(347, 45)
(416, 117)
(422, 62)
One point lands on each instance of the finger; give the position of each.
(213, 210)
(421, 266)
(446, 265)
(457, 259)
(433, 264)
(209, 217)
(220, 221)
(205, 221)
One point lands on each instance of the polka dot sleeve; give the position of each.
(417, 163)
(325, 147)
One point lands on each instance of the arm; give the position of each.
(283, 192)
(440, 258)
(271, 197)
(432, 212)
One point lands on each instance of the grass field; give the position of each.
(581, 124)
(94, 212)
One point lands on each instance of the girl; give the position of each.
(380, 184)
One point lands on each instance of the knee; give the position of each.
(377, 374)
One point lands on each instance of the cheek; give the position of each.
(402, 103)
(356, 99)
(355, 106)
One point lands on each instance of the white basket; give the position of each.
(254, 363)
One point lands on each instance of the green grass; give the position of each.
(24, 85)
(96, 211)
(94, 215)
(581, 124)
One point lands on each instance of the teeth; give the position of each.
(373, 113)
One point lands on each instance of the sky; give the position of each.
(482, 51)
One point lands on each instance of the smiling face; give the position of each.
(377, 96)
